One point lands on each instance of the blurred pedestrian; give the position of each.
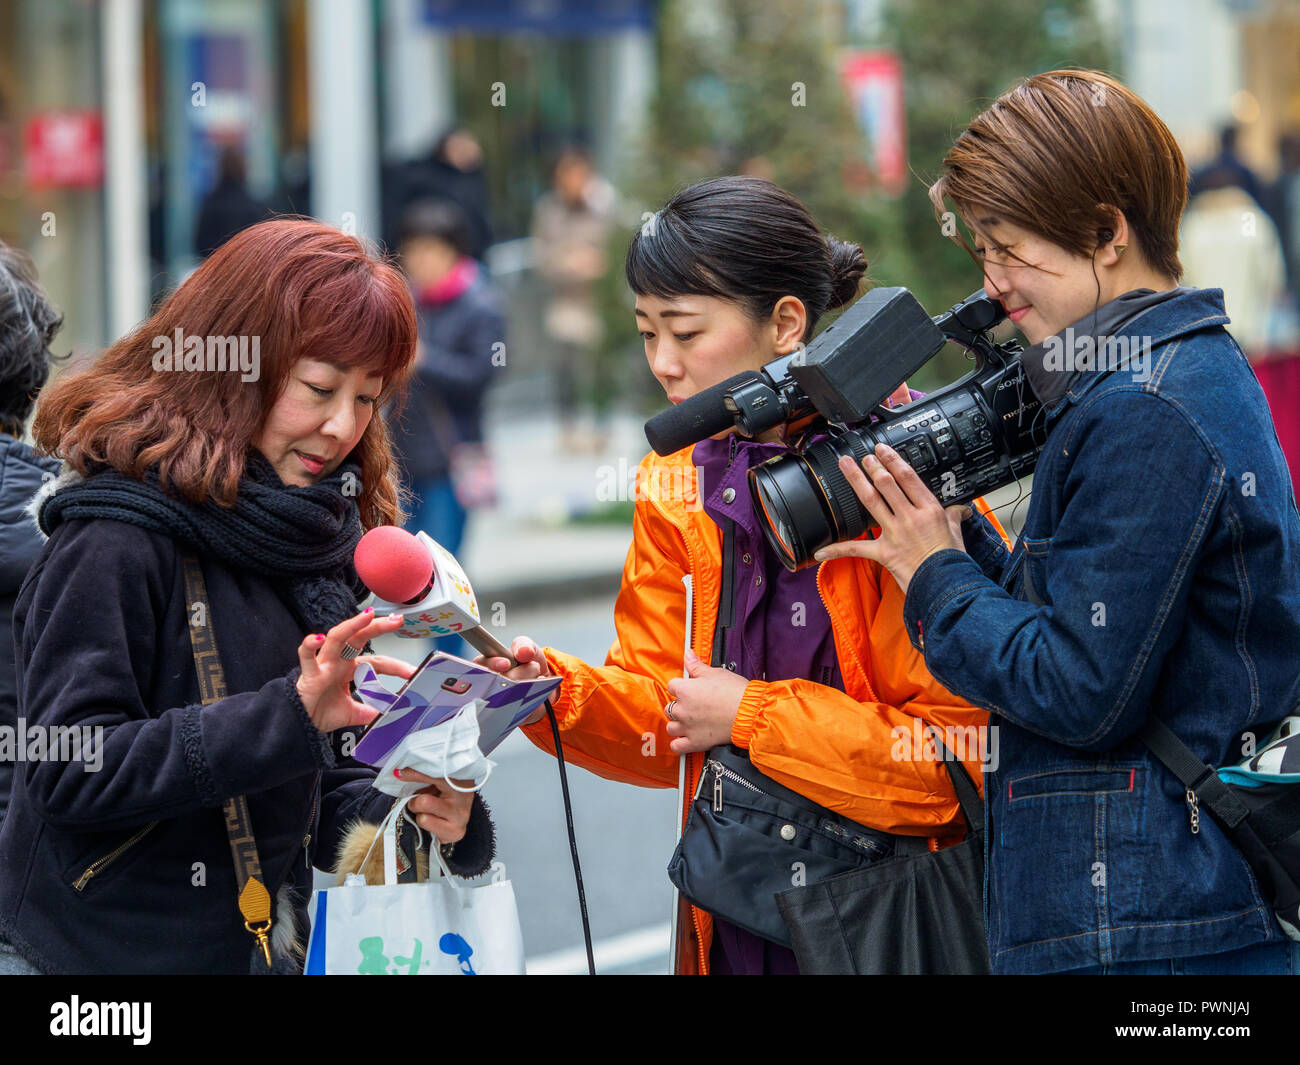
(439, 432)
(1227, 241)
(1284, 204)
(28, 323)
(452, 170)
(1227, 166)
(571, 225)
(229, 207)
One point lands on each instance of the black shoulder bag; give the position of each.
(1262, 820)
(755, 853)
(909, 914)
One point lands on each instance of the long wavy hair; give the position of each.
(300, 287)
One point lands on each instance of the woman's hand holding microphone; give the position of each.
(529, 664)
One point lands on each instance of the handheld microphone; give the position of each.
(413, 575)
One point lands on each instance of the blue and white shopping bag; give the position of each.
(440, 927)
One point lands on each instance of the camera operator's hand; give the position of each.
(913, 524)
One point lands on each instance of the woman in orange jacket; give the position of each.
(816, 677)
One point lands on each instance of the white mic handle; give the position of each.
(485, 643)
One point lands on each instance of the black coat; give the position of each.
(428, 178)
(101, 628)
(21, 471)
(444, 405)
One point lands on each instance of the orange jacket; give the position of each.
(833, 747)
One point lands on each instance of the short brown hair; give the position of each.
(1058, 152)
(302, 288)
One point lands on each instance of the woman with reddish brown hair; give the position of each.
(230, 438)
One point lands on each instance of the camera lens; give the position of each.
(806, 502)
(790, 507)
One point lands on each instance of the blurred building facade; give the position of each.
(114, 114)
(1206, 63)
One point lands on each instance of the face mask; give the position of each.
(446, 751)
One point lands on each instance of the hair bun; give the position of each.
(848, 265)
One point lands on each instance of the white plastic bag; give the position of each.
(440, 927)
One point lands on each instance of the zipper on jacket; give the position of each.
(871, 691)
(311, 822)
(695, 913)
(691, 568)
(98, 867)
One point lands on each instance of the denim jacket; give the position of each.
(1158, 574)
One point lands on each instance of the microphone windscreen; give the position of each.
(694, 419)
(393, 564)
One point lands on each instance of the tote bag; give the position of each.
(439, 927)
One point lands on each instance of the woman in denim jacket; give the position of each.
(1158, 573)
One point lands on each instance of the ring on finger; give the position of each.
(349, 651)
(669, 710)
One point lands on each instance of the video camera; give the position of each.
(967, 439)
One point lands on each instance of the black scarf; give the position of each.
(302, 538)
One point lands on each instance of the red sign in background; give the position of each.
(64, 149)
(874, 81)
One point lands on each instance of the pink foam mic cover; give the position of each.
(393, 564)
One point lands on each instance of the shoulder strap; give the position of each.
(972, 807)
(1195, 775)
(254, 899)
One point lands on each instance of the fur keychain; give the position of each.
(359, 840)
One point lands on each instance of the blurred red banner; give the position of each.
(874, 81)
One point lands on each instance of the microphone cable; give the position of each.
(573, 840)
